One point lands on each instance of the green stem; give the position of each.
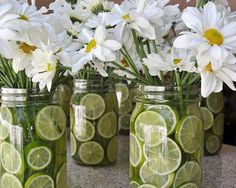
(178, 81)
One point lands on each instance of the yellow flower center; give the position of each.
(177, 61)
(208, 67)
(23, 17)
(92, 44)
(50, 67)
(124, 63)
(214, 37)
(126, 17)
(26, 48)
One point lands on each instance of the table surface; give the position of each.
(219, 170)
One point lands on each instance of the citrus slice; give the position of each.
(208, 118)
(50, 123)
(218, 125)
(194, 109)
(139, 107)
(164, 158)
(91, 153)
(112, 149)
(147, 186)
(215, 102)
(170, 115)
(122, 92)
(39, 180)
(6, 119)
(84, 130)
(135, 151)
(132, 94)
(61, 179)
(10, 157)
(148, 176)
(39, 157)
(189, 133)
(145, 121)
(212, 144)
(124, 121)
(134, 184)
(10, 181)
(107, 125)
(94, 106)
(189, 185)
(189, 172)
(73, 145)
(125, 107)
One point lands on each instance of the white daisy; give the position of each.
(97, 46)
(213, 77)
(209, 32)
(91, 7)
(44, 64)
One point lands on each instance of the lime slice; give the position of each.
(50, 123)
(132, 94)
(10, 157)
(73, 145)
(61, 180)
(218, 126)
(189, 172)
(164, 158)
(134, 184)
(145, 120)
(112, 149)
(39, 157)
(94, 106)
(189, 185)
(147, 186)
(39, 180)
(84, 130)
(124, 121)
(107, 125)
(91, 153)
(208, 118)
(194, 109)
(10, 181)
(122, 92)
(212, 144)
(135, 151)
(215, 102)
(148, 176)
(189, 133)
(6, 119)
(137, 110)
(170, 115)
(125, 107)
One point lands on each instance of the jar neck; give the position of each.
(24, 95)
(163, 94)
(93, 85)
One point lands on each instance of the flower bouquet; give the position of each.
(169, 53)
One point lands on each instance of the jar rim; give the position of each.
(167, 88)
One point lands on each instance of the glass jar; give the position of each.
(213, 115)
(94, 124)
(33, 140)
(166, 137)
(125, 96)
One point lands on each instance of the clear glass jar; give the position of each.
(166, 137)
(94, 124)
(33, 140)
(125, 96)
(213, 115)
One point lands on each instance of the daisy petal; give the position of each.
(100, 34)
(112, 45)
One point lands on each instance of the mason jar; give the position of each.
(33, 140)
(212, 109)
(94, 123)
(166, 138)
